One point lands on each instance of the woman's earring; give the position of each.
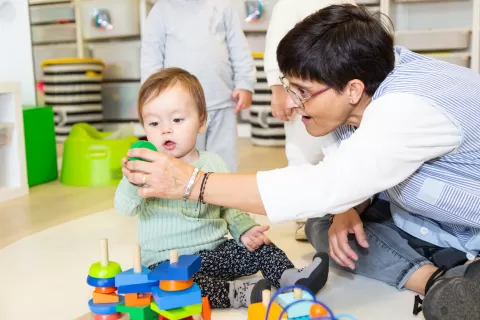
(350, 101)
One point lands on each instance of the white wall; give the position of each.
(16, 62)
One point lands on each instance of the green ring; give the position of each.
(99, 272)
(142, 144)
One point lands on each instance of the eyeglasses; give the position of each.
(295, 97)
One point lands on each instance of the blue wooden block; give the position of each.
(298, 310)
(104, 308)
(101, 283)
(138, 288)
(167, 300)
(184, 269)
(129, 277)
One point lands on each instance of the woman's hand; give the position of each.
(340, 250)
(166, 176)
(278, 104)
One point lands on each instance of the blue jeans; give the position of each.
(393, 255)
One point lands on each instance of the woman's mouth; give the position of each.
(306, 119)
(169, 145)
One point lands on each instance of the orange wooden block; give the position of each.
(106, 290)
(105, 297)
(258, 311)
(138, 299)
(206, 309)
(175, 285)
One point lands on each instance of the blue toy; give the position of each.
(183, 269)
(302, 299)
(138, 288)
(100, 283)
(171, 300)
(137, 275)
(104, 308)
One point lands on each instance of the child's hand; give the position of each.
(255, 238)
(243, 99)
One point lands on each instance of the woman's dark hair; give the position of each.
(337, 44)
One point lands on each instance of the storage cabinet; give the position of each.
(52, 13)
(13, 172)
(445, 30)
(120, 101)
(108, 19)
(43, 34)
(121, 58)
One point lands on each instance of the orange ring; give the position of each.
(175, 285)
(106, 290)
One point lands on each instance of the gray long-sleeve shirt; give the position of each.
(203, 37)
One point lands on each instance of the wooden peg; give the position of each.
(266, 296)
(297, 293)
(173, 256)
(104, 252)
(137, 259)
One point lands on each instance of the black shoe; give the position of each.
(318, 278)
(452, 294)
(256, 295)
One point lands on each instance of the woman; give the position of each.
(409, 143)
(300, 147)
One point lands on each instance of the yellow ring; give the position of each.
(145, 179)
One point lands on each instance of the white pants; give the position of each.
(221, 136)
(301, 147)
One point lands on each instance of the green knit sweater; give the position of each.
(163, 225)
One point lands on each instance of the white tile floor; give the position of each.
(44, 276)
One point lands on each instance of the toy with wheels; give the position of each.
(90, 158)
(300, 304)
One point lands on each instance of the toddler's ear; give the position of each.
(203, 127)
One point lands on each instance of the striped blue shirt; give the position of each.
(440, 202)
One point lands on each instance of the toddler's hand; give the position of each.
(255, 238)
(243, 99)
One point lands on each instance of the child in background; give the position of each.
(172, 110)
(204, 38)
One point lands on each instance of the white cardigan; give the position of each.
(398, 133)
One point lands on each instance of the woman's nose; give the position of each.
(289, 103)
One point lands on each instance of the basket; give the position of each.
(266, 130)
(73, 87)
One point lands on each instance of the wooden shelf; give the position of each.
(13, 171)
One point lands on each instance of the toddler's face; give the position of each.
(172, 123)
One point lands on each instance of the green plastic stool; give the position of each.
(40, 145)
(90, 159)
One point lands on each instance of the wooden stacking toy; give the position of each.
(165, 293)
(101, 276)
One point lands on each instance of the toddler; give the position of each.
(172, 110)
(206, 39)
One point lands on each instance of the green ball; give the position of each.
(142, 144)
(99, 272)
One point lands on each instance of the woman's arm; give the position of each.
(238, 191)
(398, 134)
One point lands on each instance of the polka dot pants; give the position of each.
(230, 261)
